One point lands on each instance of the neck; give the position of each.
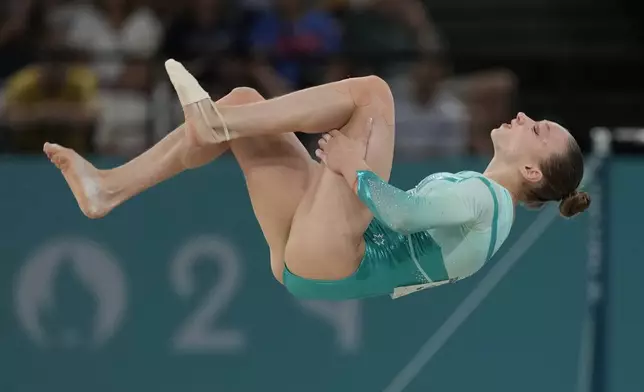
(504, 176)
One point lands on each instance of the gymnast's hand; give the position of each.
(342, 154)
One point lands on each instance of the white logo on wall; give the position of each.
(95, 269)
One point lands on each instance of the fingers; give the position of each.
(321, 155)
(322, 143)
(336, 133)
(324, 140)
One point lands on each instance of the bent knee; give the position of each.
(242, 96)
(368, 87)
(373, 91)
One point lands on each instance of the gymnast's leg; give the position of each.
(278, 171)
(327, 237)
(99, 191)
(314, 110)
(307, 213)
(325, 240)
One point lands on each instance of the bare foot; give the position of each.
(204, 125)
(85, 181)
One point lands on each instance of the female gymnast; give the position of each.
(336, 229)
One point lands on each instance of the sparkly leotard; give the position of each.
(444, 229)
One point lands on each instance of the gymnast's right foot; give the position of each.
(205, 125)
(87, 183)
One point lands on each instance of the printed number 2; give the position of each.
(198, 332)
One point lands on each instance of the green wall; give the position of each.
(173, 292)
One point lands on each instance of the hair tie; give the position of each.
(571, 195)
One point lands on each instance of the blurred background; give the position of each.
(173, 290)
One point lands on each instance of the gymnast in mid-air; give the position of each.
(335, 228)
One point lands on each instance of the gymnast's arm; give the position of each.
(449, 204)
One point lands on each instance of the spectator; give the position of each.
(22, 25)
(285, 37)
(430, 120)
(488, 95)
(60, 14)
(120, 38)
(403, 27)
(256, 5)
(286, 42)
(53, 100)
(380, 33)
(204, 38)
(166, 11)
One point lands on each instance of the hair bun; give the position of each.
(574, 204)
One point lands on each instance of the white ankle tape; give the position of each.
(221, 118)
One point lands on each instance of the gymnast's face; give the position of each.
(525, 143)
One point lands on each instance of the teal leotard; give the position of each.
(443, 230)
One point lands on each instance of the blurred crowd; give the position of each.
(89, 74)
